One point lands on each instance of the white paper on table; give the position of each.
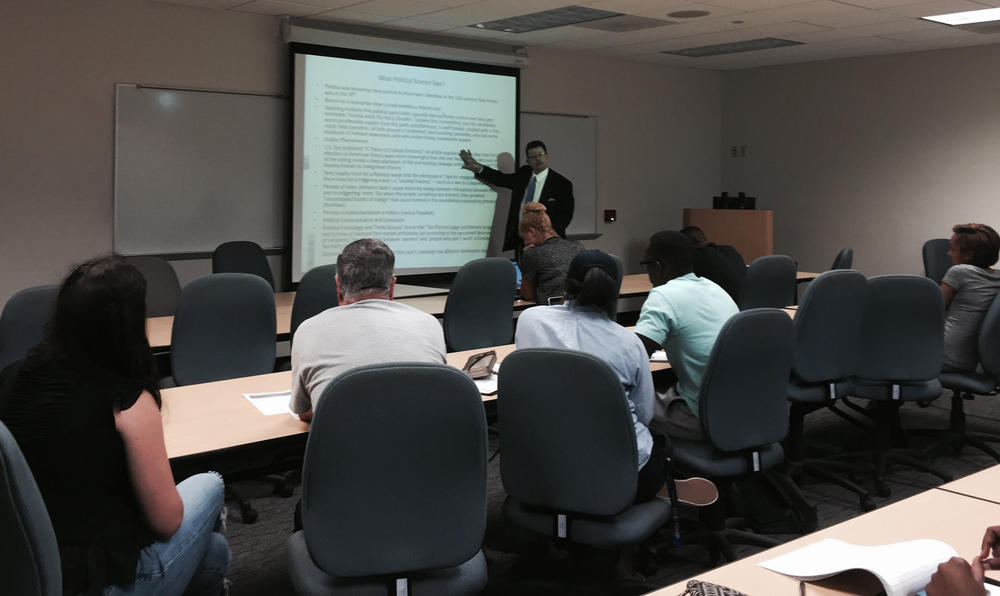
(904, 568)
(270, 404)
(658, 356)
(487, 385)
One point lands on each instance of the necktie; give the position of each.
(529, 193)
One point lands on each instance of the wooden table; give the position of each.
(215, 416)
(956, 519)
(159, 329)
(984, 485)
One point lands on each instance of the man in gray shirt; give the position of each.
(367, 327)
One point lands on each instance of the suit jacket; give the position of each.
(557, 196)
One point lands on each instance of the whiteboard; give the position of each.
(572, 146)
(194, 169)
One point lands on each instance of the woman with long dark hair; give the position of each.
(85, 409)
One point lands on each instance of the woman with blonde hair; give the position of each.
(969, 288)
(546, 256)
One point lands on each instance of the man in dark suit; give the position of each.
(548, 187)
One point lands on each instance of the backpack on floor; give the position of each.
(772, 504)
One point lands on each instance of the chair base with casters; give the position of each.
(702, 459)
(964, 386)
(887, 400)
(467, 579)
(805, 399)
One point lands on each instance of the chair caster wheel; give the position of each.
(248, 513)
(867, 504)
(882, 489)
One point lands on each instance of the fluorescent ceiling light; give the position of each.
(966, 18)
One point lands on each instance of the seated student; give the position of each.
(546, 256)
(367, 327)
(719, 263)
(584, 322)
(84, 408)
(956, 577)
(683, 314)
(969, 287)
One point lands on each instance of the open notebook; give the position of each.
(904, 568)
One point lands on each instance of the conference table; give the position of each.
(429, 300)
(957, 519)
(213, 417)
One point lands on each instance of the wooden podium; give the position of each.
(749, 231)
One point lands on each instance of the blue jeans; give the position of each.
(194, 561)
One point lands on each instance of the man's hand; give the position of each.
(468, 162)
(306, 416)
(991, 545)
(955, 577)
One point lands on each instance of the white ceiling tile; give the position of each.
(663, 12)
(926, 9)
(329, 4)
(352, 15)
(855, 18)
(633, 6)
(217, 4)
(896, 26)
(751, 5)
(276, 7)
(879, 4)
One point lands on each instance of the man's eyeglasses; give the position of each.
(537, 155)
(649, 262)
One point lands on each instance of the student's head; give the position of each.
(537, 156)
(592, 280)
(695, 235)
(668, 255)
(364, 270)
(100, 320)
(535, 226)
(974, 244)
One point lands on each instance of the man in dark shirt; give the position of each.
(721, 264)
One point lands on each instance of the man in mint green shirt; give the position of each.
(683, 314)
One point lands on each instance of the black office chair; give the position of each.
(936, 259)
(162, 287)
(899, 360)
(827, 331)
(394, 485)
(965, 385)
(317, 292)
(22, 322)
(769, 283)
(569, 455)
(743, 409)
(242, 256)
(224, 328)
(30, 563)
(479, 311)
(844, 259)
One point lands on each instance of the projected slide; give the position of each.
(377, 156)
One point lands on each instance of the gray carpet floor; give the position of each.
(521, 564)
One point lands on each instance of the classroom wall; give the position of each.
(59, 62)
(878, 153)
(658, 127)
(658, 130)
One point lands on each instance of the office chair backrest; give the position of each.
(989, 341)
(22, 322)
(902, 333)
(317, 292)
(743, 398)
(242, 256)
(769, 282)
(828, 326)
(568, 436)
(479, 311)
(844, 259)
(224, 328)
(162, 287)
(936, 259)
(394, 478)
(30, 562)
